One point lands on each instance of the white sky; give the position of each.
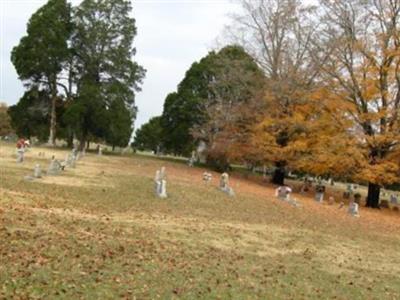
(172, 34)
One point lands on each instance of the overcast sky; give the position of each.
(172, 34)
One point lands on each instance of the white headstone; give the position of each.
(160, 183)
(37, 171)
(55, 167)
(224, 185)
(283, 192)
(20, 155)
(353, 209)
(207, 177)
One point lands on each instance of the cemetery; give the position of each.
(200, 149)
(110, 226)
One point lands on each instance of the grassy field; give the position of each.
(98, 232)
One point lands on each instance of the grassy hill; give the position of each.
(98, 232)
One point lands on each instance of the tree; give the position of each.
(182, 109)
(119, 129)
(218, 81)
(30, 116)
(279, 35)
(149, 136)
(105, 74)
(236, 82)
(360, 89)
(41, 55)
(5, 121)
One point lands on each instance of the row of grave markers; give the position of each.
(55, 167)
(160, 183)
(283, 192)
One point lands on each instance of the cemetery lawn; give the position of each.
(98, 232)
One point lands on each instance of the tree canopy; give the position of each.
(87, 51)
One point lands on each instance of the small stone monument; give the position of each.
(55, 167)
(353, 209)
(161, 183)
(20, 154)
(331, 200)
(283, 192)
(319, 193)
(192, 159)
(99, 150)
(224, 184)
(37, 171)
(207, 177)
(393, 199)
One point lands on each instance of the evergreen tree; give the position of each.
(105, 72)
(149, 136)
(41, 54)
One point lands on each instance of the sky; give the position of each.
(172, 34)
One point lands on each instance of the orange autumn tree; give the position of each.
(357, 102)
(279, 34)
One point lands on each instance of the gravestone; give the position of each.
(160, 182)
(224, 185)
(99, 150)
(319, 193)
(55, 167)
(68, 160)
(393, 199)
(283, 192)
(37, 171)
(207, 177)
(192, 159)
(353, 209)
(20, 155)
(331, 200)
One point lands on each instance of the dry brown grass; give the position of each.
(97, 231)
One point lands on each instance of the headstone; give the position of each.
(393, 199)
(192, 159)
(99, 150)
(331, 200)
(353, 209)
(350, 189)
(224, 185)
(161, 183)
(283, 192)
(201, 152)
(207, 177)
(224, 180)
(319, 193)
(37, 171)
(20, 155)
(55, 167)
(264, 172)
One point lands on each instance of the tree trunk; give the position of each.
(113, 148)
(70, 141)
(279, 173)
(82, 142)
(373, 195)
(53, 120)
(88, 145)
